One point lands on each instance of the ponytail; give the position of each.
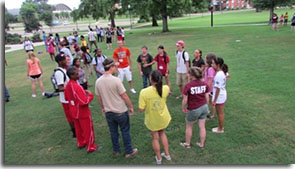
(219, 61)
(224, 68)
(156, 77)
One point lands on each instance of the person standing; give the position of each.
(142, 59)
(275, 22)
(97, 63)
(219, 92)
(286, 17)
(76, 35)
(28, 45)
(195, 105)
(102, 33)
(57, 42)
(86, 60)
(79, 100)
(62, 79)
(119, 34)
(84, 43)
(67, 52)
(45, 40)
(51, 47)
(157, 116)
(182, 66)
(77, 48)
(112, 97)
(98, 33)
(198, 60)
(82, 77)
(122, 56)
(282, 19)
(92, 39)
(293, 22)
(35, 72)
(109, 38)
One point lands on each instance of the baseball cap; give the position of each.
(60, 57)
(180, 43)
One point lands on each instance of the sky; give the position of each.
(10, 4)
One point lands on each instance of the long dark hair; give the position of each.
(74, 61)
(156, 77)
(219, 61)
(164, 53)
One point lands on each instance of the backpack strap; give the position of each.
(58, 69)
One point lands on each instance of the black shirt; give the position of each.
(145, 60)
(198, 63)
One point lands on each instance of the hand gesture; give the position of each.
(131, 111)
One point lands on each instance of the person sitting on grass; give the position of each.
(195, 105)
(152, 100)
(35, 72)
(79, 100)
(219, 92)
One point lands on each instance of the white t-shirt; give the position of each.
(67, 52)
(70, 39)
(181, 67)
(28, 45)
(60, 81)
(98, 32)
(102, 32)
(91, 36)
(219, 82)
(99, 65)
(123, 32)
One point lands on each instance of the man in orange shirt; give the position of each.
(122, 56)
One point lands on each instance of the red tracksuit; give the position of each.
(78, 105)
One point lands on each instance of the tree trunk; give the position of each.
(271, 11)
(164, 16)
(154, 19)
(112, 18)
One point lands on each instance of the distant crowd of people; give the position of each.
(283, 20)
(202, 86)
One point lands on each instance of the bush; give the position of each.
(143, 19)
(13, 38)
(36, 37)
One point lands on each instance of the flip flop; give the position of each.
(183, 144)
(199, 145)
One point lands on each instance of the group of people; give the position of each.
(201, 84)
(283, 19)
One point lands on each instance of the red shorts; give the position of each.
(67, 112)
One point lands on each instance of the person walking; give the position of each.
(35, 73)
(112, 97)
(122, 56)
(142, 59)
(91, 39)
(79, 100)
(44, 37)
(219, 92)
(97, 63)
(152, 100)
(182, 66)
(28, 45)
(62, 79)
(195, 105)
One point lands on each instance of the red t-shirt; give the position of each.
(122, 56)
(195, 90)
(162, 65)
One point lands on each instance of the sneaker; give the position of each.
(133, 90)
(33, 95)
(135, 150)
(167, 157)
(43, 94)
(158, 161)
(215, 130)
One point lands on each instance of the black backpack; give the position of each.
(53, 79)
(189, 61)
(95, 57)
(88, 57)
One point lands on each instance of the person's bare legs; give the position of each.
(202, 132)
(220, 112)
(213, 110)
(41, 85)
(156, 144)
(188, 132)
(33, 86)
(164, 141)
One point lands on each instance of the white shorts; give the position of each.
(221, 98)
(125, 72)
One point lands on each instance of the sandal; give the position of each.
(199, 145)
(183, 144)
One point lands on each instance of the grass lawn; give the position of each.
(259, 115)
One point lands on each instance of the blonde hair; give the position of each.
(32, 56)
(196, 72)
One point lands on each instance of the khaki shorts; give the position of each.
(181, 79)
(197, 114)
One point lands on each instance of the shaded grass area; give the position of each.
(259, 116)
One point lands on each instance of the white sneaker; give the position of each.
(43, 94)
(158, 161)
(133, 90)
(167, 157)
(33, 95)
(215, 130)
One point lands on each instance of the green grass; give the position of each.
(7, 48)
(259, 118)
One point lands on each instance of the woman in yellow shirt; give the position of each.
(157, 116)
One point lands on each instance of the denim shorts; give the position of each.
(197, 114)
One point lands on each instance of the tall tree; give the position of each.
(272, 4)
(30, 17)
